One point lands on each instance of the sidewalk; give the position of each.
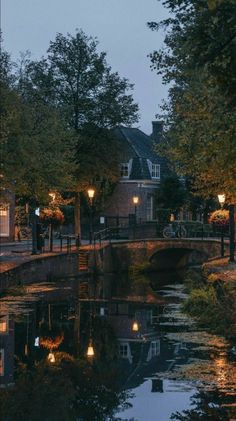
(18, 252)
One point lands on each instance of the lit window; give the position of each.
(124, 169)
(123, 350)
(155, 171)
(4, 220)
(1, 362)
(3, 324)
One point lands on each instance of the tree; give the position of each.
(37, 151)
(199, 59)
(171, 194)
(69, 390)
(77, 81)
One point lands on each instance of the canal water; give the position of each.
(151, 362)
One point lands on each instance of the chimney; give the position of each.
(157, 130)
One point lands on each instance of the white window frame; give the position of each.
(155, 171)
(125, 169)
(4, 220)
(123, 350)
(127, 355)
(2, 363)
(154, 349)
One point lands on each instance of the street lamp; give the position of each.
(135, 326)
(172, 217)
(135, 202)
(221, 198)
(91, 193)
(90, 351)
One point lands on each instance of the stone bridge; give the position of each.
(161, 253)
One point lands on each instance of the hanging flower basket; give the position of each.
(220, 218)
(50, 338)
(52, 215)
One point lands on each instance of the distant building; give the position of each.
(7, 216)
(141, 170)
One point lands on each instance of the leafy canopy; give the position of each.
(199, 60)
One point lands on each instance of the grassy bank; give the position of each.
(211, 302)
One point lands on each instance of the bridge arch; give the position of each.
(177, 257)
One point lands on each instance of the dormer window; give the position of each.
(155, 171)
(124, 170)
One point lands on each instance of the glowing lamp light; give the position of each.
(172, 217)
(91, 193)
(135, 327)
(51, 357)
(90, 350)
(221, 198)
(135, 200)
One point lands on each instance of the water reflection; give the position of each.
(142, 343)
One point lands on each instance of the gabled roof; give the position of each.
(138, 146)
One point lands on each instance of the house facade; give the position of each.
(141, 171)
(7, 216)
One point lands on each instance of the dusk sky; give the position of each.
(119, 25)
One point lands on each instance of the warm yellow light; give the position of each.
(3, 326)
(90, 350)
(91, 193)
(51, 357)
(172, 217)
(221, 198)
(135, 200)
(135, 327)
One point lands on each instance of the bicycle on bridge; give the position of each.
(177, 231)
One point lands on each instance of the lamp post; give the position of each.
(91, 193)
(135, 202)
(221, 198)
(231, 233)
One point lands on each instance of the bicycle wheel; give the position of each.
(182, 232)
(167, 232)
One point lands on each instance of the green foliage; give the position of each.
(140, 284)
(56, 116)
(171, 194)
(36, 149)
(76, 79)
(207, 407)
(69, 389)
(199, 59)
(213, 305)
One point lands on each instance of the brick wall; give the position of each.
(121, 204)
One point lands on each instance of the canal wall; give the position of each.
(41, 269)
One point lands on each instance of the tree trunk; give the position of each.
(77, 216)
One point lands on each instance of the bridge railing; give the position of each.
(178, 229)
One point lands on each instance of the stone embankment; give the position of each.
(38, 268)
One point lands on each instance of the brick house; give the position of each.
(141, 171)
(7, 216)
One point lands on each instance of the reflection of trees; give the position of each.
(65, 391)
(207, 407)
